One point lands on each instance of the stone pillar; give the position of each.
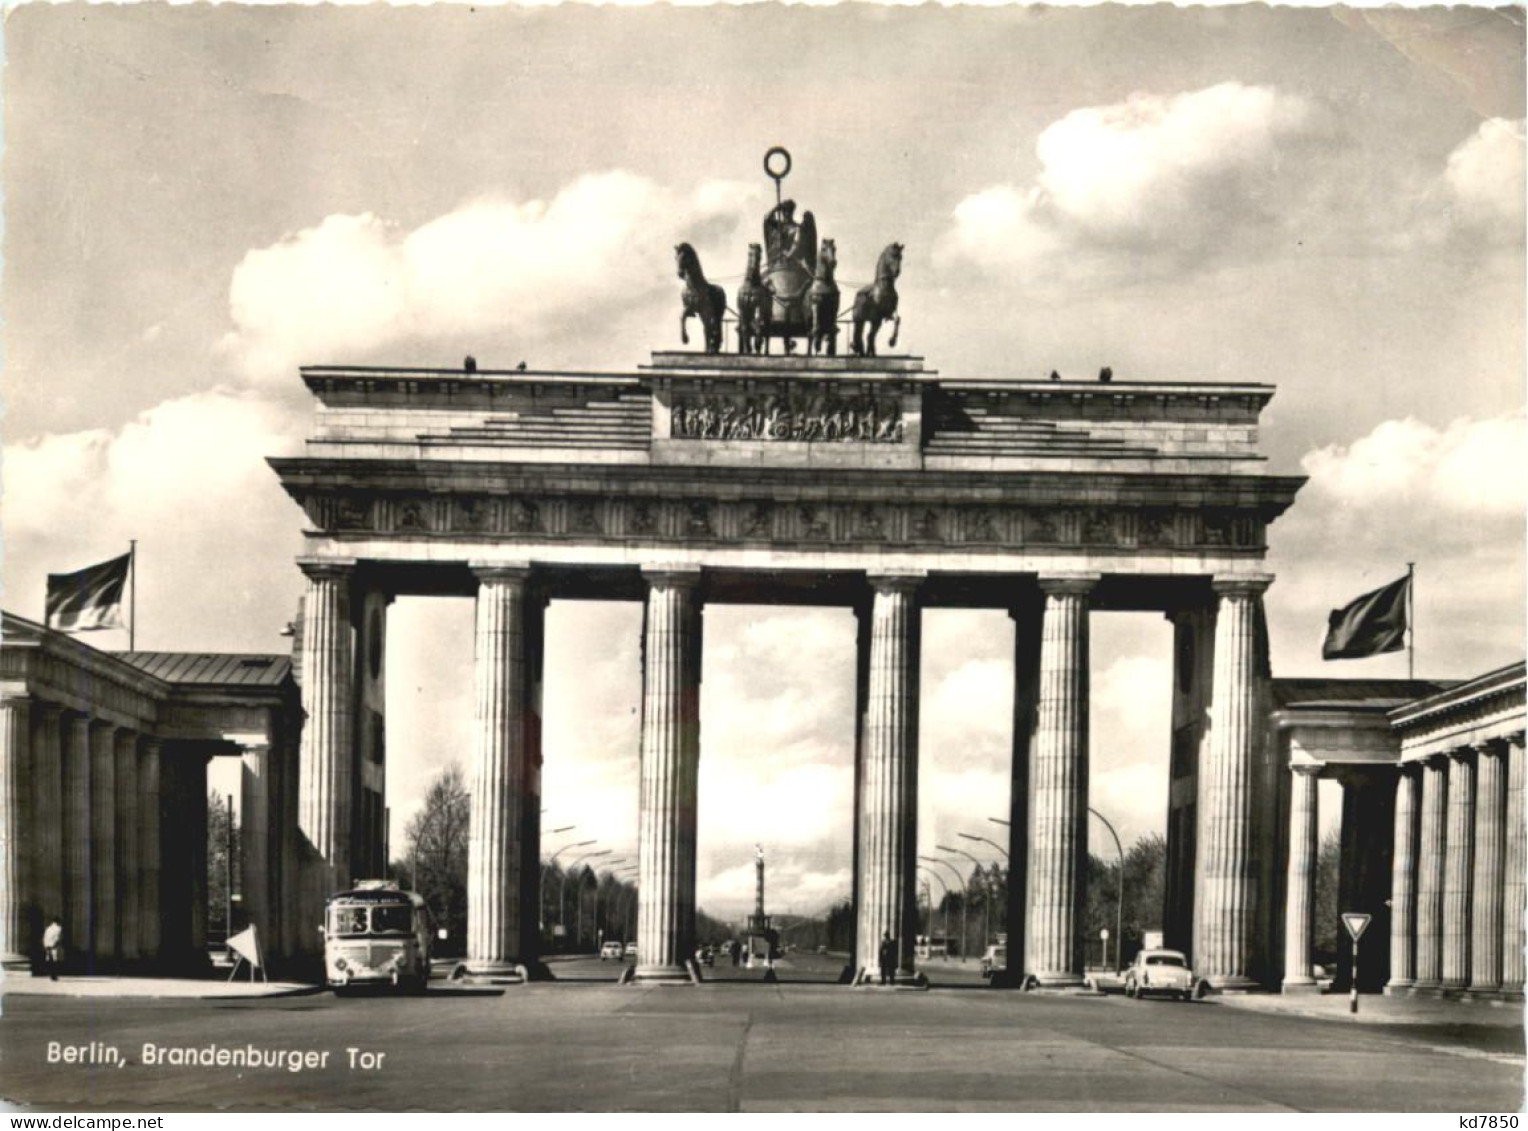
(1301, 888)
(78, 918)
(888, 811)
(256, 845)
(1490, 849)
(193, 778)
(670, 774)
(1459, 869)
(1403, 882)
(496, 857)
(1027, 626)
(1226, 891)
(129, 914)
(1058, 783)
(1430, 868)
(1515, 882)
(15, 831)
(150, 852)
(1193, 673)
(103, 842)
(326, 764)
(48, 886)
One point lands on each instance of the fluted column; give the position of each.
(1058, 784)
(150, 852)
(1225, 900)
(1459, 869)
(1301, 894)
(1490, 850)
(326, 769)
(78, 878)
(1403, 882)
(888, 775)
(670, 774)
(496, 852)
(48, 885)
(103, 841)
(255, 843)
(15, 830)
(1515, 883)
(125, 763)
(1431, 852)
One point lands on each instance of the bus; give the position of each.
(376, 934)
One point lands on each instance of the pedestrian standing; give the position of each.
(53, 947)
(888, 957)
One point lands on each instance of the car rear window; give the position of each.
(1163, 960)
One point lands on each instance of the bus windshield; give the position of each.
(383, 919)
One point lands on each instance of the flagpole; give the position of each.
(132, 595)
(1411, 620)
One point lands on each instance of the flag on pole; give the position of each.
(1373, 624)
(88, 599)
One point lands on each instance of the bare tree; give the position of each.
(435, 844)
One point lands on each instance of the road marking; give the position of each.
(735, 1078)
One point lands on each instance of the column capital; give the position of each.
(1487, 746)
(1306, 769)
(1068, 584)
(1461, 754)
(1516, 739)
(327, 569)
(1241, 585)
(509, 572)
(904, 582)
(672, 576)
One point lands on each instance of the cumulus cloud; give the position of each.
(1155, 180)
(1452, 500)
(188, 478)
(522, 271)
(1485, 180)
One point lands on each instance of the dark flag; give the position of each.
(89, 599)
(1373, 624)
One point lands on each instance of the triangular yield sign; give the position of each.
(1356, 922)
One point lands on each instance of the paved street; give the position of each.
(737, 1044)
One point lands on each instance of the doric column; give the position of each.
(670, 774)
(1028, 615)
(888, 775)
(1058, 784)
(15, 830)
(103, 841)
(48, 814)
(496, 857)
(150, 853)
(129, 914)
(326, 772)
(1301, 894)
(1225, 899)
(1490, 849)
(1515, 883)
(1459, 869)
(256, 846)
(1430, 868)
(1403, 882)
(78, 878)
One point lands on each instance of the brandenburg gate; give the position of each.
(868, 482)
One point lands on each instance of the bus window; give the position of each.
(391, 919)
(345, 921)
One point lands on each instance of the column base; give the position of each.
(1055, 980)
(494, 972)
(1304, 984)
(1399, 987)
(1231, 983)
(15, 963)
(661, 976)
(901, 980)
(1482, 993)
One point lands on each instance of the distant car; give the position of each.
(611, 950)
(1160, 972)
(995, 960)
(631, 950)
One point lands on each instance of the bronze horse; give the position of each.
(704, 300)
(877, 303)
(753, 300)
(822, 303)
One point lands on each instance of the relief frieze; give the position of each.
(799, 417)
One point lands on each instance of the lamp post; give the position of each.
(945, 888)
(599, 933)
(562, 887)
(965, 898)
(541, 897)
(1119, 905)
(986, 902)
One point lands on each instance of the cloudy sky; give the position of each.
(199, 199)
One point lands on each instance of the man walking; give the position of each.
(888, 958)
(53, 947)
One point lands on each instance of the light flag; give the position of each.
(88, 599)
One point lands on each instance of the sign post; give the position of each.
(1356, 922)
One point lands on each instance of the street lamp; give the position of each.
(562, 887)
(1119, 906)
(945, 888)
(984, 840)
(965, 898)
(986, 900)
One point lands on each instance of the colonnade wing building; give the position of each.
(867, 483)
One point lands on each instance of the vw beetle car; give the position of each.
(1159, 971)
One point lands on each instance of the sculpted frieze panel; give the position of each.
(795, 416)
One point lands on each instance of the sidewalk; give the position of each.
(98, 986)
(1377, 1009)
